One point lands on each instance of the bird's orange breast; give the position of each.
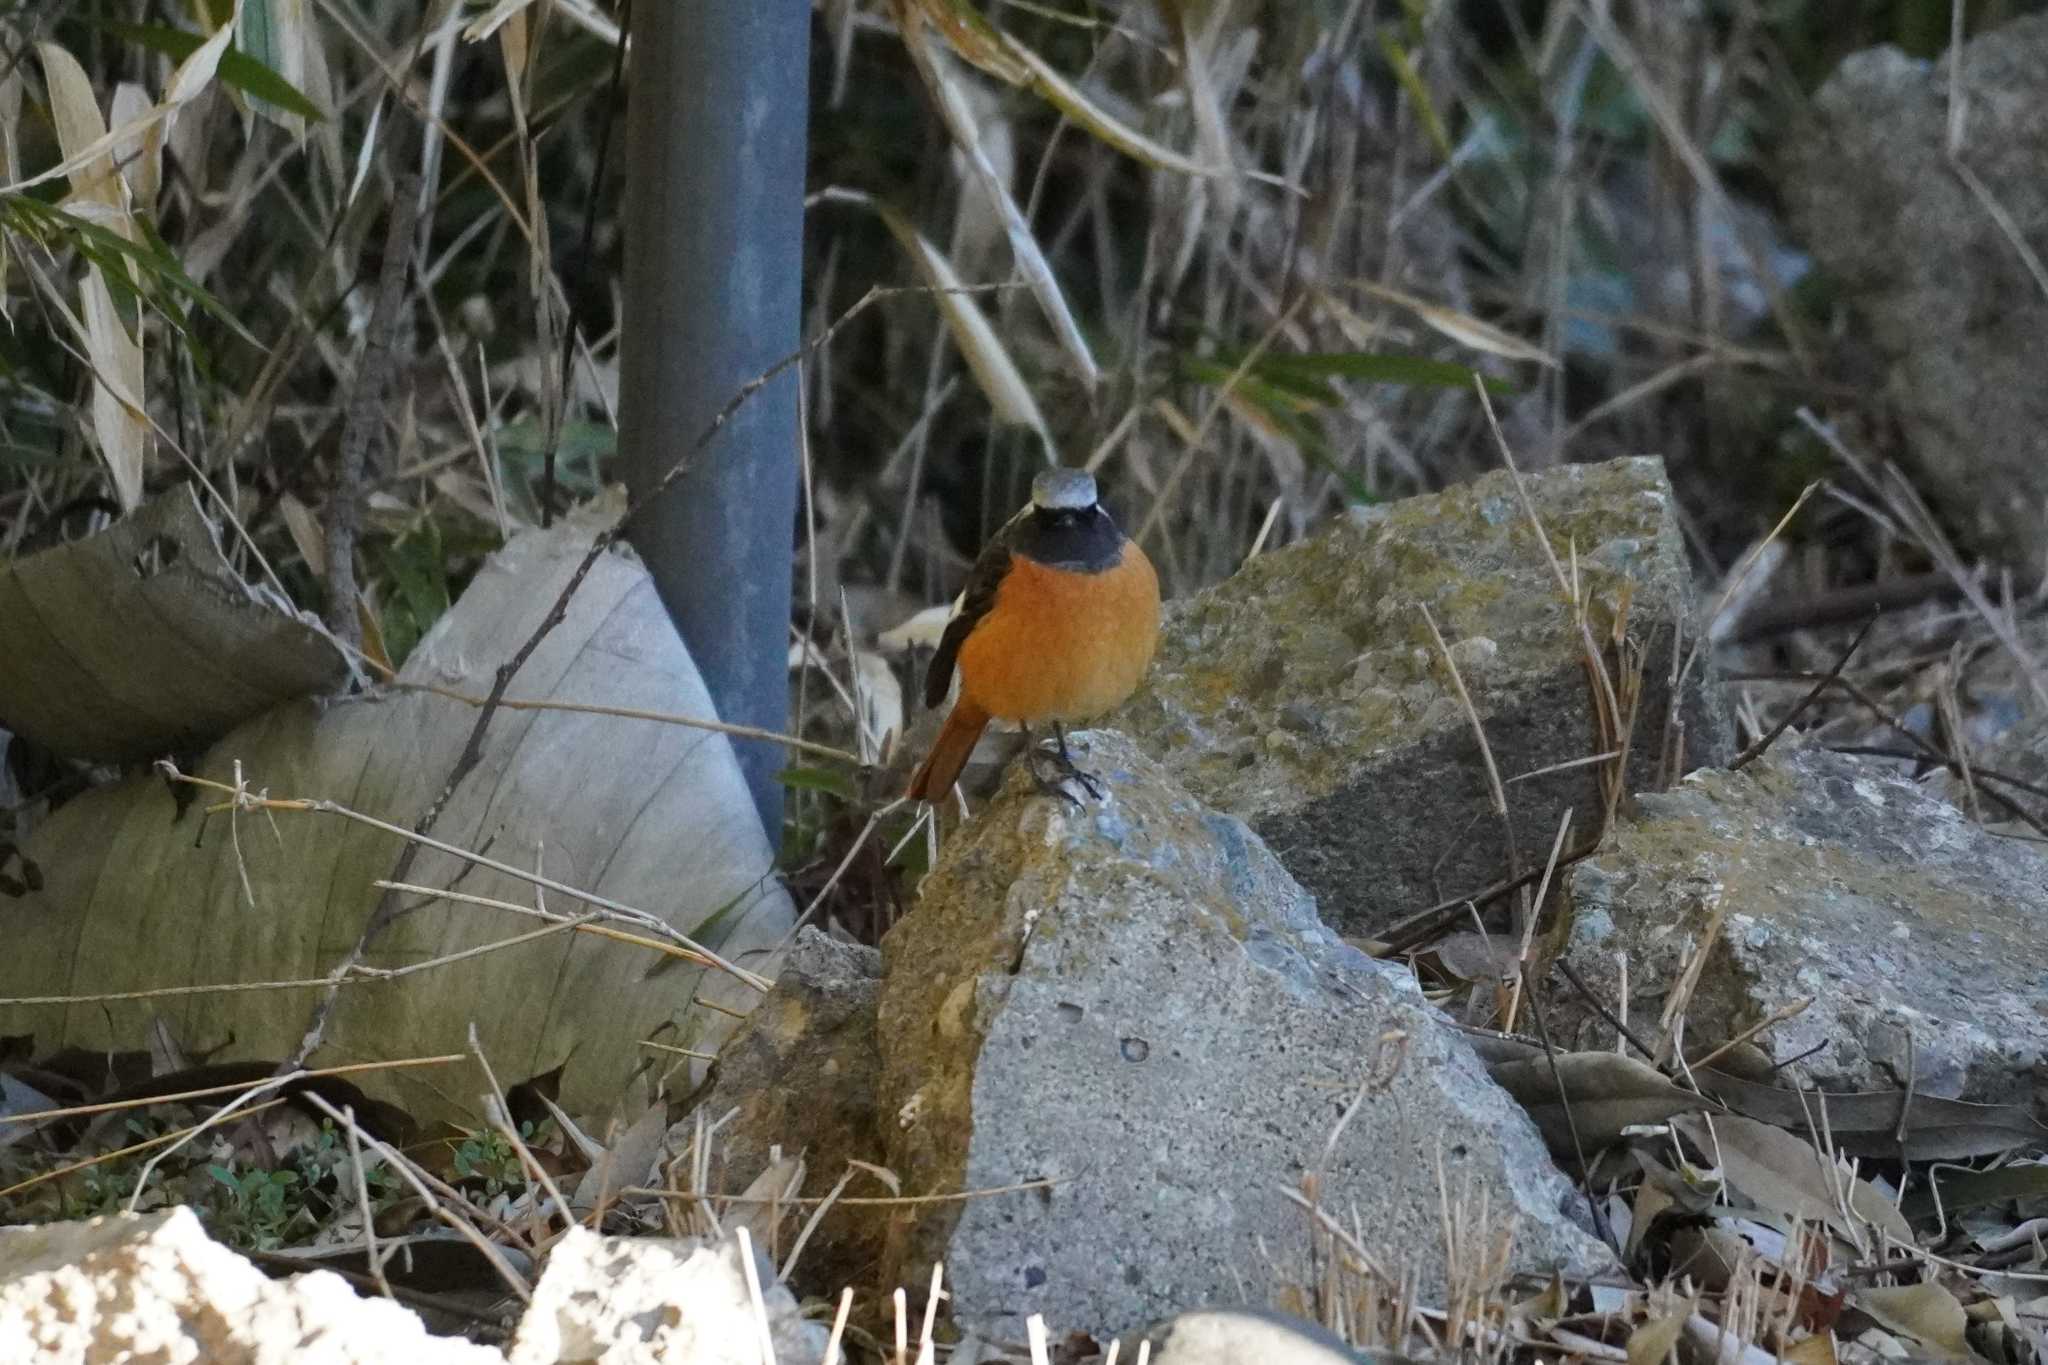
(1063, 645)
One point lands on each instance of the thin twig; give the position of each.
(1777, 1016)
(413, 1177)
(367, 410)
(1424, 925)
(144, 1101)
(388, 909)
(415, 840)
(1765, 740)
(877, 1201)
(500, 1115)
(636, 713)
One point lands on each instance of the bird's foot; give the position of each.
(1054, 786)
(1062, 763)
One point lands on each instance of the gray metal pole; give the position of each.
(714, 262)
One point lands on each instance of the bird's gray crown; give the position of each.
(1063, 490)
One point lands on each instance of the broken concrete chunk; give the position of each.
(650, 1301)
(1921, 938)
(1936, 265)
(802, 1071)
(155, 1287)
(1134, 1003)
(1305, 694)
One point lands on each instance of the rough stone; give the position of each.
(1921, 937)
(1949, 299)
(1305, 695)
(1134, 1000)
(1226, 1336)
(155, 1287)
(652, 1301)
(802, 1071)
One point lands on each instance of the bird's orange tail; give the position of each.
(941, 767)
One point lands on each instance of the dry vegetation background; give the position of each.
(1575, 199)
(1278, 240)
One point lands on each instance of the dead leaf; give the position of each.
(1818, 1349)
(1462, 328)
(142, 639)
(1782, 1174)
(1608, 1093)
(924, 629)
(1868, 1123)
(988, 359)
(1030, 259)
(139, 897)
(1928, 1313)
(1651, 1343)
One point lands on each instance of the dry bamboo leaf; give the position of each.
(307, 536)
(1608, 1093)
(1963, 1190)
(633, 1159)
(1717, 1345)
(81, 133)
(1030, 259)
(1926, 1312)
(881, 703)
(141, 895)
(924, 628)
(1706, 1256)
(142, 638)
(1462, 328)
(1871, 1123)
(1651, 1343)
(191, 78)
(995, 373)
(141, 163)
(1063, 95)
(1651, 1199)
(10, 122)
(1818, 1349)
(1212, 128)
(119, 425)
(1782, 1174)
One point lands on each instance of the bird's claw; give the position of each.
(1063, 764)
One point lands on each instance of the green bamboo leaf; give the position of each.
(237, 68)
(45, 222)
(1418, 93)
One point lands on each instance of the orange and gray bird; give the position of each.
(1057, 623)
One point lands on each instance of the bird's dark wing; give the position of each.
(975, 601)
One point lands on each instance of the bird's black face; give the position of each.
(1082, 538)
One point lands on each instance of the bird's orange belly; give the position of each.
(1059, 645)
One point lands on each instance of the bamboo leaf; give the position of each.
(237, 69)
(994, 371)
(1030, 259)
(1462, 328)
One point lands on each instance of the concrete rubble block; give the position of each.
(154, 1287)
(1921, 937)
(655, 1301)
(802, 1072)
(1305, 696)
(1947, 294)
(1135, 1001)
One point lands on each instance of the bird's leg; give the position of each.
(1033, 755)
(1064, 763)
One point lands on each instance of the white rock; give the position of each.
(153, 1287)
(651, 1301)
